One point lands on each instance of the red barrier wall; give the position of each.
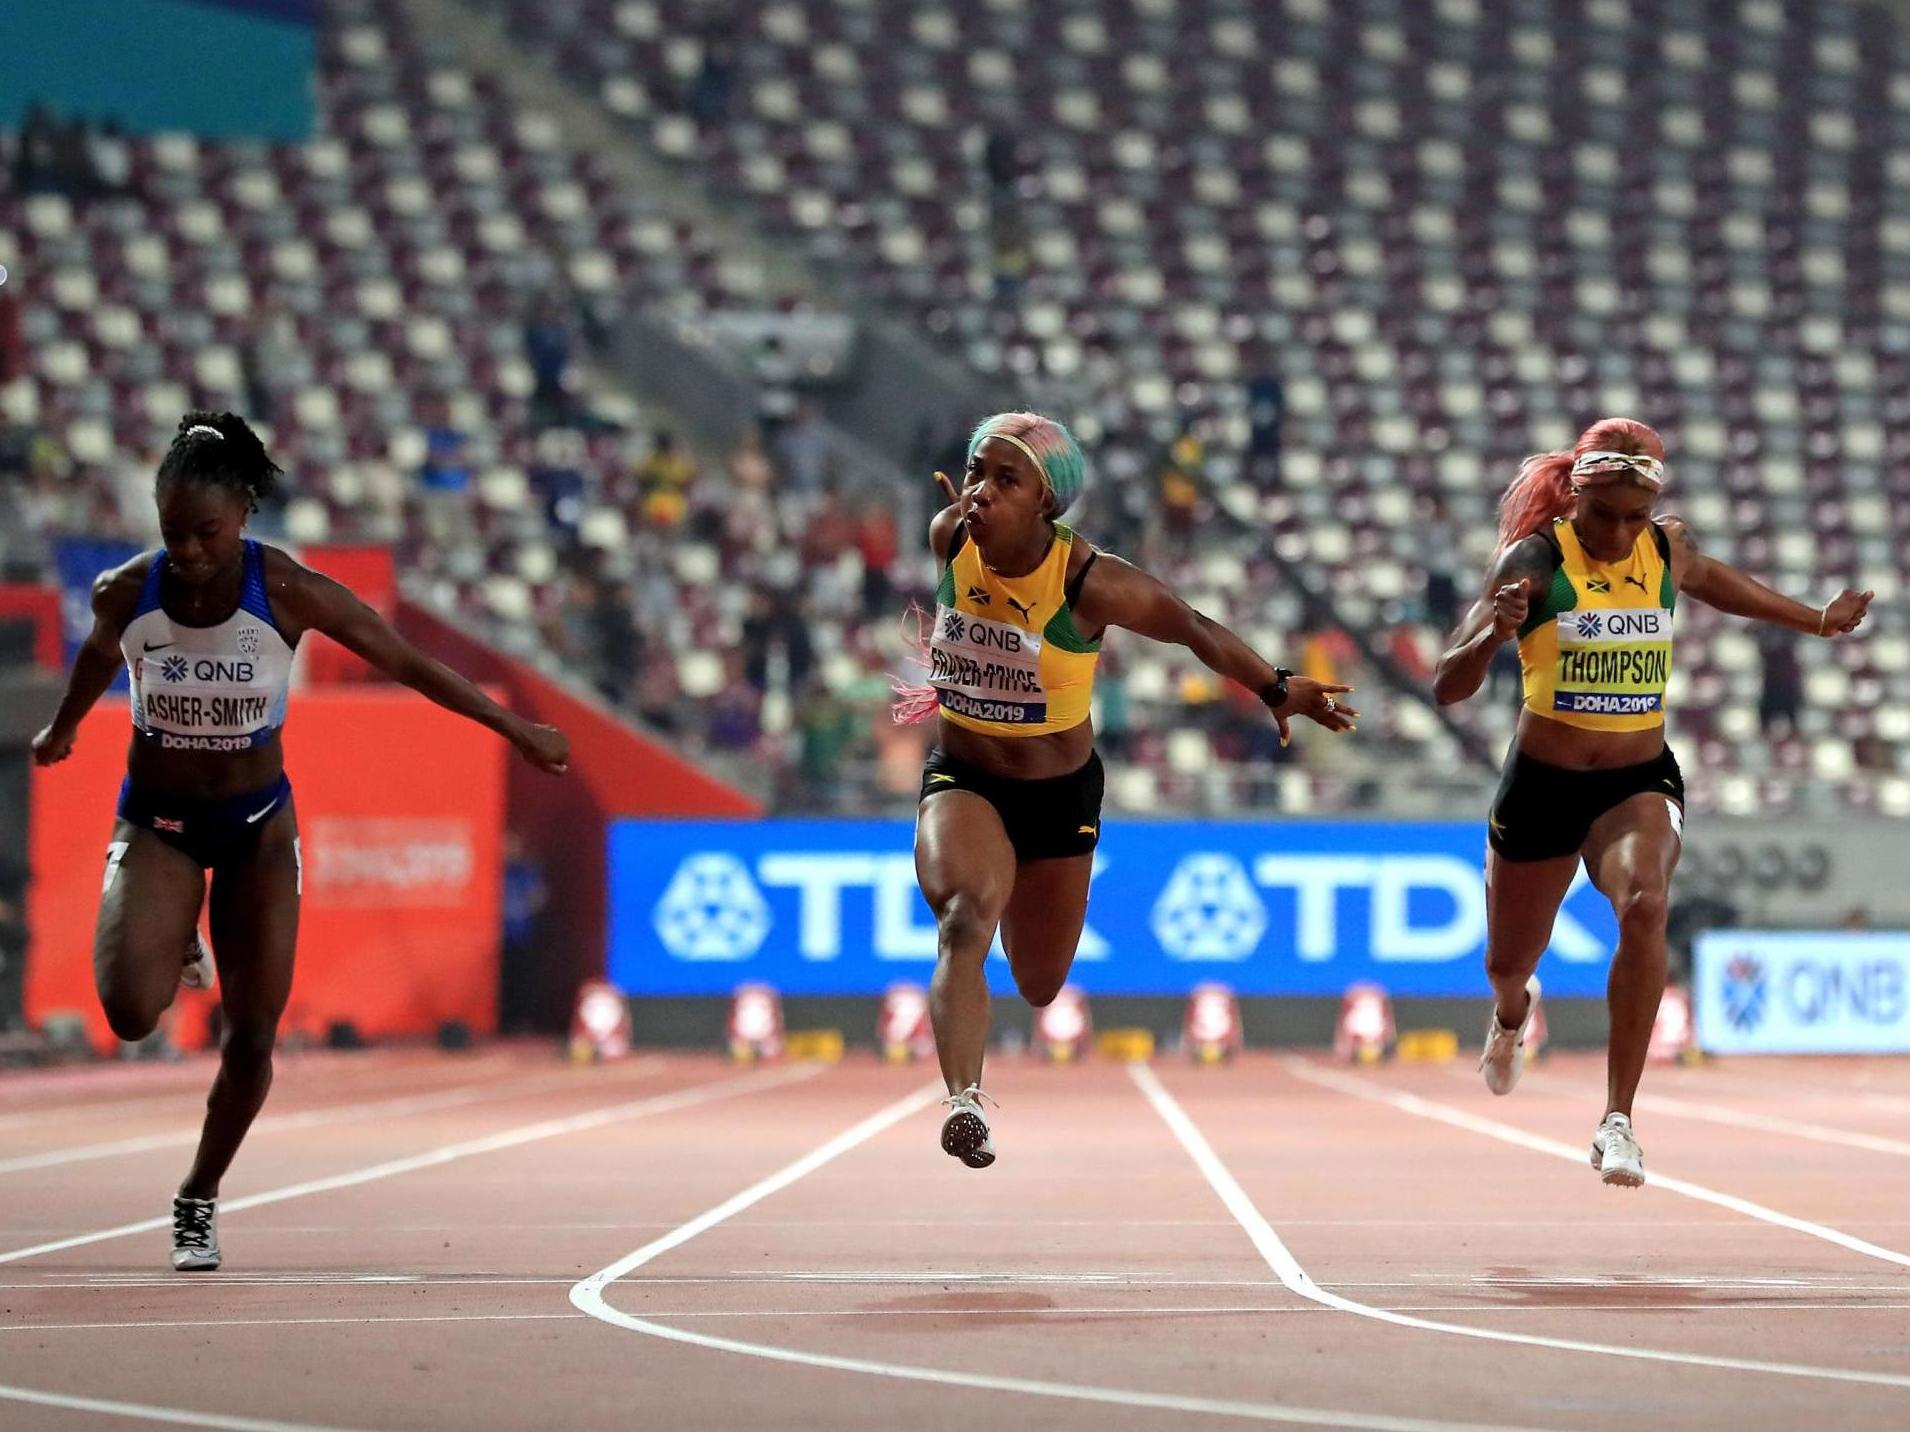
(41, 605)
(401, 809)
(613, 772)
(368, 572)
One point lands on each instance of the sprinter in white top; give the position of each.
(207, 626)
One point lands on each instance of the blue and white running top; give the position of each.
(208, 688)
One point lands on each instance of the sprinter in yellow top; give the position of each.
(1587, 582)
(1011, 795)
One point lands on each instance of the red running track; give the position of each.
(498, 1241)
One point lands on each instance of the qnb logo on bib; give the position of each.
(987, 670)
(1613, 663)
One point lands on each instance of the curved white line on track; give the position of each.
(588, 1295)
(139, 1411)
(1287, 1268)
(448, 1153)
(395, 1108)
(1538, 1143)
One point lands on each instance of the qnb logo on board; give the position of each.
(1745, 993)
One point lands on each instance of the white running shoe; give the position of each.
(965, 1131)
(195, 1235)
(196, 973)
(1616, 1155)
(1504, 1057)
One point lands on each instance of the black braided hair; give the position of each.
(220, 449)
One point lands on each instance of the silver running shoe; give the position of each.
(195, 1235)
(965, 1130)
(1616, 1155)
(1504, 1058)
(196, 973)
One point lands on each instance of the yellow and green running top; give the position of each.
(1595, 649)
(1005, 658)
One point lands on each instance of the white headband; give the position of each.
(204, 428)
(1646, 469)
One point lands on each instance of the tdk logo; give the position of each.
(714, 907)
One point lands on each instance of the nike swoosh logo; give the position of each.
(157, 646)
(260, 815)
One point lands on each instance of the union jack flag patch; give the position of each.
(177, 827)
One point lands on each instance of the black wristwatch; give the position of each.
(1274, 694)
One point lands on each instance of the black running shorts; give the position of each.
(1542, 812)
(1046, 819)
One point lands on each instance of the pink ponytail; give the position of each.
(1541, 492)
(915, 701)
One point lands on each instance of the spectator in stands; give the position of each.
(664, 479)
(547, 350)
(877, 541)
(525, 895)
(13, 343)
(1781, 696)
(446, 466)
(714, 89)
(827, 729)
(620, 643)
(1440, 551)
(831, 529)
(801, 450)
(36, 167)
(1180, 485)
(776, 622)
(1266, 419)
(556, 476)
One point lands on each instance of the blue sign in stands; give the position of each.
(1286, 908)
(1799, 993)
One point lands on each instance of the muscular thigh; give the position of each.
(254, 906)
(1635, 842)
(1042, 924)
(962, 849)
(1522, 901)
(149, 902)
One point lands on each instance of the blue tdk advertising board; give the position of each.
(1802, 993)
(1286, 908)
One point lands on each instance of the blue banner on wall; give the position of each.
(1300, 908)
(1797, 993)
(79, 560)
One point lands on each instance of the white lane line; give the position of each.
(466, 1148)
(779, 1314)
(1576, 1153)
(1289, 1271)
(569, 1317)
(396, 1108)
(1680, 1108)
(143, 1413)
(588, 1295)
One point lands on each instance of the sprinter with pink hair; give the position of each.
(1586, 580)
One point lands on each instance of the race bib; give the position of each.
(1613, 662)
(987, 670)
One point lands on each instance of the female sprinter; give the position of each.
(1011, 795)
(1586, 581)
(208, 625)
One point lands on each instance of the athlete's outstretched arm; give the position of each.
(1522, 569)
(115, 594)
(318, 603)
(1719, 584)
(1117, 593)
